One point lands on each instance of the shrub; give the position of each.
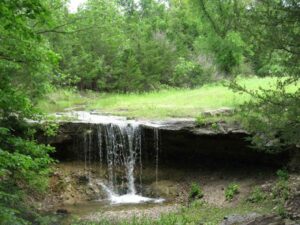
(200, 120)
(196, 192)
(281, 190)
(282, 174)
(231, 190)
(257, 195)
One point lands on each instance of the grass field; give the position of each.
(157, 104)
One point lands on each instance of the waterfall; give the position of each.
(156, 147)
(99, 141)
(87, 145)
(123, 152)
(122, 143)
(119, 144)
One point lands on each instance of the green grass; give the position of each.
(157, 104)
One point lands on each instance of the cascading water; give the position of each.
(122, 142)
(87, 145)
(156, 146)
(123, 148)
(119, 146)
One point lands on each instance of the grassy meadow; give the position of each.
(156, 104)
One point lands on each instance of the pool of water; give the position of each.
(106, 210)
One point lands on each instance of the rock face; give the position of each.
(69, 184)
(175, 141)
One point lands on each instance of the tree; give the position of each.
(274, 115)
(221, 32)
(110, 44)
(269, 31)
(26, 63)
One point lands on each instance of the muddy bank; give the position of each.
(73, 195)
(70, 184)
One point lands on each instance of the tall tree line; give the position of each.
(126, 46)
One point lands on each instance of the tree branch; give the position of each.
(55, 29)
(215, 27)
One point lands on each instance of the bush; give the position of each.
(281, 190)
(196, 192)
(257, 195)
(282, 174)
(189, 74)
(231, 191)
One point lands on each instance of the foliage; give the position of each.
(274, 114)
(281, 191)
(257, 195)
(271, 47)
(231, 191)
(282, 174)
(141, 47)
(222, 36)
(26, 65)
(196, 192)
(228, 52)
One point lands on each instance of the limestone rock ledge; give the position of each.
(179, 140)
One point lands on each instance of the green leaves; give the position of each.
(26, 66)
(231, 191)
(136, 49)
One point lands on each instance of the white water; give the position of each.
(156, 145)
(95, 118)
(123, 149)
(129, 198)
(87, 138)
